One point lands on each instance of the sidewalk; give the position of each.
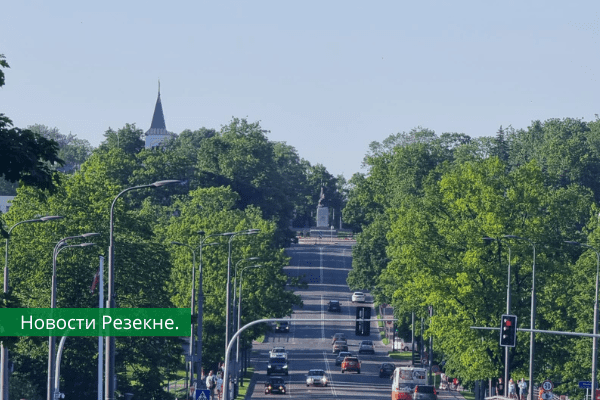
(449, 395)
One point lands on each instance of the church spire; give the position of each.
(158, 128)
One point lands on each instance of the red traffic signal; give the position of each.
(508, 330)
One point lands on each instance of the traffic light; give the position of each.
(508, 331)
(363, 321)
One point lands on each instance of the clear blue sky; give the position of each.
(327, 77)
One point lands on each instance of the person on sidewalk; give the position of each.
(512, 389)
(523, 389)
(500, 388)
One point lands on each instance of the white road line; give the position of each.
(328, 371)
(321, 263)
(322, 321)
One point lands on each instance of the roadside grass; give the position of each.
(400, 355)
(242, 390)
(468, 395)
(260, 339)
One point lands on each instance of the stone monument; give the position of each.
(322, 213)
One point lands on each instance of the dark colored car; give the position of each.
(338, 336)
(277, 365)
(283, 327)
(424, 392)
(341, 356)
(334, 306)
(351, 364)
(340, 345)
(275, 385)
(386, 370)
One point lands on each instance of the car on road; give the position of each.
(275, 385)
(401, 344)
(358, 297)
(424, 392)
(278, 352)
(277, 365)
(386, 370)
(334, 306)
(340, 345)
(366, 346)
(341, 356)
(316, 377)
(338, 336)
(283, 327)
(351, 364)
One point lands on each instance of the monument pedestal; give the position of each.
(322, 217)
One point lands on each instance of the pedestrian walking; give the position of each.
(219, 386)
(512, 389)
(211, 382)
(523, 389)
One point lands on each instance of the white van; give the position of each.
(404, 381)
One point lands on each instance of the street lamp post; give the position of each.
(109, 366)
(595, 329)
(235, 269)
(235, 324)
(239, 318)
(3, 350)
(191, 349)
(228, 296)
(61, 245)
(506, 349)
(532, 322)
(201, 308)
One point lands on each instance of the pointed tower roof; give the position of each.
(158, 125)
(158, 129)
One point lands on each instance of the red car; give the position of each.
(351, 364)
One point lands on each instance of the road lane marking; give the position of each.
(328, 370)
(321, 263)
(322, 321)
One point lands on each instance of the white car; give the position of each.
(358, 297)
(316, 377)
(278, 352)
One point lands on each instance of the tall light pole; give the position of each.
(235, 269)
(61, 245)
(239, 315)
(191, 349)
(532, 322)
(109, 366)
(506, 348)
(234, 306)
(228, 297)
(3, 350)
(595, 339)
(201, 307)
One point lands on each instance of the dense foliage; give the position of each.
(425, 206)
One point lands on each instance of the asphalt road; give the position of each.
(309, 342)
